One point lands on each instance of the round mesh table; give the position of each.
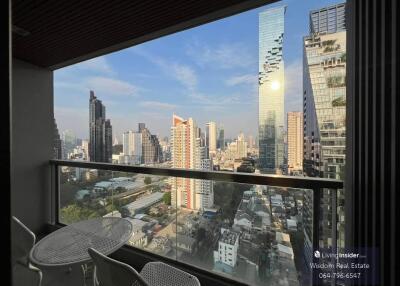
(69, 245)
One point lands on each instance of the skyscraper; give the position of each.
(203, 188)
(241, 145)
(100, 131)
(328, 19)
(57, 143)
(211, 138)
(189, 151)
(271, 89)
(324, 103)
(151, 149)
(107, 141)
(69, 142)
(183, 153)
(132, 147)
(85, 148)
(221, 138)
(295, 141)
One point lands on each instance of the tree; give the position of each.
(201, 234)
(167, 198)
(73, 213)
(147, 180)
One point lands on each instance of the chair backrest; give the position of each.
(23, 239)
(159, 273)
(110, 272)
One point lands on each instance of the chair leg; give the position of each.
(63, 276)
(95, 281)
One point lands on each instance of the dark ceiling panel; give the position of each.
(54, 33)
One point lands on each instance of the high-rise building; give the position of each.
(221, 138)
(57, 143)
(166, 150)
(183, 155)
(151, 149)
(69, 142)
(85, 148)
(241, 145)
(108, 141)
(324, 103)
(328, 19)
(271, 89)
(188, 151)
(295, 140)
(211, 138)
(100, 131)
(132, 147)
(237, 149)
(250, 142)
(204, 188)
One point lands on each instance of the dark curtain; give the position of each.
(373, 163)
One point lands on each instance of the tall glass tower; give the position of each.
(324, 106)
(271, 89)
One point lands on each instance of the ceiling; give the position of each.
(56, 33)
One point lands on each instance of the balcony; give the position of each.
(240, 229)
(47, 35)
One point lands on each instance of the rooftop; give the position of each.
(285, 249)
(229, 237)
(145, 201)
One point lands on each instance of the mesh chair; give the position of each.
(23, 239)
(110, 272)
(161, 274)
(24, 273)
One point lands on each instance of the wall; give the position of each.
(31, 143)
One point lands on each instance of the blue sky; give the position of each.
(208, 73)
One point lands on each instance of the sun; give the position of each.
(275, 85)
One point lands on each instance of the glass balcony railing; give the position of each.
(256, 229)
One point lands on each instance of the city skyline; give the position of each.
(215, 78)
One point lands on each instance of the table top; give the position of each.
(68, 245)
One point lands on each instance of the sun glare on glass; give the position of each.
(275, 85)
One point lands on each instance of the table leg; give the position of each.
(63, 276)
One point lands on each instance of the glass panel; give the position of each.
(256, 234)
(145, 200)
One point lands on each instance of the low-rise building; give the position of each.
(138, 206)
(185, 243)
(227, 252)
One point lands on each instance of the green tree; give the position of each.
(147, 180)
(167, 198)
(73, 213)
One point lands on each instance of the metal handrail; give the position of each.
(247, 178)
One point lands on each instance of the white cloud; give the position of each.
(219, 102)
(225, 55)
(158, 105)
(110, 86)
(294, 86)
(99, 65)
(184, 74)
(250, 79)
